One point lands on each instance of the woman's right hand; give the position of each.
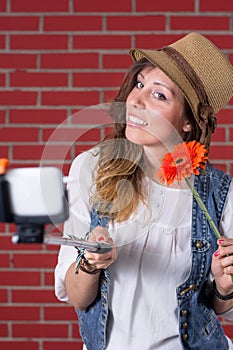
(101, 261)
(82, 287)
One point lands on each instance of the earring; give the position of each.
(187, 127)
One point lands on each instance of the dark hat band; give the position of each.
(189, 72)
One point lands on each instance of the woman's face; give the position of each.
(155, 111)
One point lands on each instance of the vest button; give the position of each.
(184, 325)
(185, 336)
(184, 312)
(199, 245)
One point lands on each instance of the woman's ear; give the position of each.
(187, 126)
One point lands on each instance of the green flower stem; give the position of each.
(203, 207)
(205, 211)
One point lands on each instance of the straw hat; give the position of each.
(201, 71)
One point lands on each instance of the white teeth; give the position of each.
(136, 120)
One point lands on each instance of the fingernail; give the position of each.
(101, 238)
(217, 253)
(221, 241)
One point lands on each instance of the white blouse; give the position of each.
(153, 258)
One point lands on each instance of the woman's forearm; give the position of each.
(82, 288)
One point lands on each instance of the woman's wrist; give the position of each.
(88, 268)
(219, 295)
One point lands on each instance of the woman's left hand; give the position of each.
(222, 265)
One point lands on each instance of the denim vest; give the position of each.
(199, 327)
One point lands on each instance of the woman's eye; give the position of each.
(159, 96)
(139, 85)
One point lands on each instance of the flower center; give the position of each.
(179, 160)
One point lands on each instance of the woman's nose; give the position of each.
(138, 99)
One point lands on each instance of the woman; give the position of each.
(166, 277)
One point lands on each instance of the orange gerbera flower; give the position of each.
(186, 160)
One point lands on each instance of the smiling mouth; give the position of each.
(132, 120)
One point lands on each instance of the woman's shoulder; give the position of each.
(85, 161)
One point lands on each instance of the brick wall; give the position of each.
(56, 57)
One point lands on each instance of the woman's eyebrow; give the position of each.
(140, 74)
(165, 86)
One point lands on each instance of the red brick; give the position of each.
(21, 98)
(216, 5)
(231, 59)
(231, 135)
(82, 148)
(17, 60)
(96, 116)
(72, 345)
(19, 313)
(19, 345)
(108, 130)
(102, 6)
(101, 42)
(168, 5)
(18, 79)
(6, 242)
(19, 278)
(109, 95)
(3, 333)
(49, 278)
(37, 116)
(2, 41)
(33, 260)
(62, 312)
(5, 260)
(38, 42)
(3, 227)
(40, 330)
(3, 5)
(2, 116)
(13, 134)
(72, 23)
(75, 330)
(155, 41)
(41, 152)
(70, 60)
(228, 329)
(3, 297)
(12, 23)
(117, 61)
(199, 23)
(39, 6)
(71, 135)
(225, 116)
(136, 23)
(221, 152)
(221, 41)
(35, 296)
(219, 135)
(98, 79)
(2, 79)
(4, 152)
(69, 98)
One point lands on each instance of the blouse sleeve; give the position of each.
(79, 184)
(226, 229)
(226, 224)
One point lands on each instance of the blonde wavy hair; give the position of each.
(122, 164)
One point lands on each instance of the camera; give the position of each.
(32, 198)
